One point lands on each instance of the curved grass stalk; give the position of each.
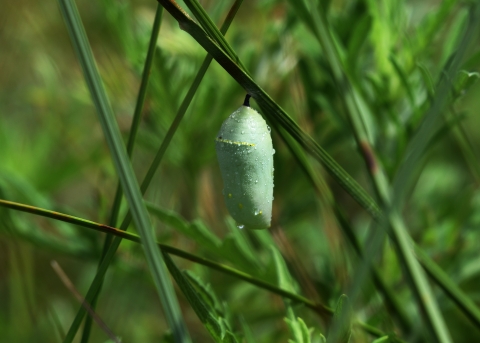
(137, 115)
(316, 307)
(125, 172)
(107, 258)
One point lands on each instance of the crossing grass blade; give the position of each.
(319, 308)
(137, 115)
(124, 170)
(271, 109)
(107, 258)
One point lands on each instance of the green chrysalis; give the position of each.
(245, 154)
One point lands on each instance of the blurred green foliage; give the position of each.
(53, 155)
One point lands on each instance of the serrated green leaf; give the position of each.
(204, 311)
(204, 290)
(234, 248)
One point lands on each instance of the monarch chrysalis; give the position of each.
(245, 154)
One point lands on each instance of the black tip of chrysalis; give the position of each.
(246, 102)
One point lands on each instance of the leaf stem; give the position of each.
(316, 307)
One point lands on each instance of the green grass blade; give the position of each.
(391, 302)
(125, 171)
(272, 110)
(414, 154)
(418, 280)
(212, 30)
(319, 308)
(417, 146)
(96, 283)
(190, 94)
(420, 285)
(137, 115)
(316, 307)
(450, 288)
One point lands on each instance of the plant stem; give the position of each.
(316, 307)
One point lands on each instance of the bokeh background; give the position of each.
(53, 155)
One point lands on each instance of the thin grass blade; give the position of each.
(102, 269)
(316, 307)
(125, 172)
(130, 144)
